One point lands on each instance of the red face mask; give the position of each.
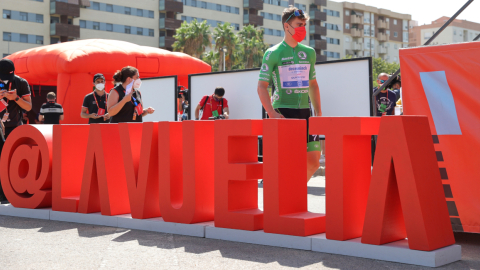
(300, 33)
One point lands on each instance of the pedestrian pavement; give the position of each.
(43, 244)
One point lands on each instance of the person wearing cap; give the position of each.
(51, 112)
(95, 104)
(14, 97)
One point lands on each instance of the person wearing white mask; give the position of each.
(125, 100)
(95, 104)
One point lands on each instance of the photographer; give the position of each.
(182, 103)
(14, 96)
(95, 104)
(125, 100)
(214, 106)
(386, 99)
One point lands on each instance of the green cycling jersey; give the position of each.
(291, 70)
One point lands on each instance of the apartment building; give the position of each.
(336, 29)
(369, 31)
(457, 31)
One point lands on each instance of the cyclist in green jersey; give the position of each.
(290, 65)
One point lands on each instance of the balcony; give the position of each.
(356, 32)
(318, 15)
(166, 42)
(253, 19)
(383, 37)
(322, 3)
(321, 58)
(171, 5)
(357, 46)
(318, 44)
(65, 30)
(66, 9)
(169, 23)
(355, 19)
(381, 24)
(317, 30)
(253, 4)
(382, 50)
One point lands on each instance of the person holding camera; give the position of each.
(14, 96)
(386, 99)
(95, 104)
(51, 112)
(213, 107)
(125, 100)
(182, 103)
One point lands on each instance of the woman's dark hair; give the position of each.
(122, 75)
(219, 91)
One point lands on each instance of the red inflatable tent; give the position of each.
(71, 65)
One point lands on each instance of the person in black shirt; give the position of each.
(125, 101)
(51, 112)
(95, 104)
(386, 99)
(14, 96)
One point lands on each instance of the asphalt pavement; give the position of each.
(42, 244)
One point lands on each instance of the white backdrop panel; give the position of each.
(159, 93)
(344, 88)
(240, 91)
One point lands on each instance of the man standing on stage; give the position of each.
(291, 67)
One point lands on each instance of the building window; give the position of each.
(39, 39)
(150, 14)
(347, 26)
(128, 29)
(395, 22)
(7, 36)
(96, 26)
(228, 9)
(395, 34)
(150, 32)
(203, 5)
(139, 31)
(54, 40)
(95, 5)
(23, 16)
(83, 24)
(140, 12)
(395, 46)
(455, 32)
(24, 38)
(194, 3)
(109, 27)
(128, 11)
(219, 7)
(5, 55)
(347, 12)
(109, 8)
(279, 33)
(388, 33)
(7, 14)
(237, 11)
(39, 18)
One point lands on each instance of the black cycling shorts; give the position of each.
(313, 141)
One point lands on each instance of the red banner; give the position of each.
(442, 83)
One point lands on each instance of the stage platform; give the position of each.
(392, 252)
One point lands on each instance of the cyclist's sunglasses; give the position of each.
(297, 13)
(382, 81)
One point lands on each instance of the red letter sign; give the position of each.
(406, 191)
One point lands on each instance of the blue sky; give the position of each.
(425, 11)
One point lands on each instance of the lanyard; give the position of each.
(211, 104)
(94, 96)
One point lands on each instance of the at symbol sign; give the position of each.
(25, 167)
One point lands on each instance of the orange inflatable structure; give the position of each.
(71, 66)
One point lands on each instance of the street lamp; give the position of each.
(224, 49)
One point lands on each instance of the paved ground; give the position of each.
(38, 244)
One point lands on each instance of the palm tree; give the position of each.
(211, 58)
(252, 46)
(192, 38)
(225, 38)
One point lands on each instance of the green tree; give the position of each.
(211, 58)
(192, 38)
(251, 47)
(381, 66)
(225, 38)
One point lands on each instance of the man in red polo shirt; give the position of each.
(214, 105)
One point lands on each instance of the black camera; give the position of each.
(395, 80)
(216, 117)
(181, 92)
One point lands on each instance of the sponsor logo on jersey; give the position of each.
(304, 62)
(288, 63)
(287, 58)
(301, 91)
(265, 68)
(302, 55)
(297, 68)
(268, 55)
(289, 91)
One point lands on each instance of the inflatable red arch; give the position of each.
(71, 66)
